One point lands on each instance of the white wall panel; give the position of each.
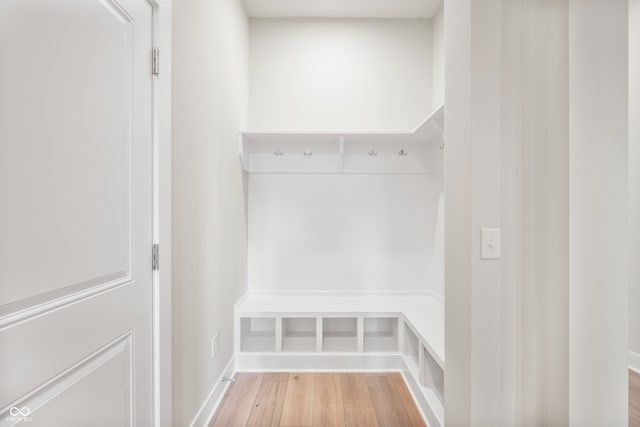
(506, 166)
(340, 74)
(437, 27)
(539, 111)
(599, 221)
(210, 75)
(353, 233)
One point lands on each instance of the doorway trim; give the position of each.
(161, 323)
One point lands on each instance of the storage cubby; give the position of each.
(380, 334)
(257, 334)
(412, 346)
(298, 334)
(340, 334)
(432, 376)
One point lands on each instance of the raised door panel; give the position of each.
(62, 400)
(66, 81)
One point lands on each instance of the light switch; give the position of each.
(490, 238)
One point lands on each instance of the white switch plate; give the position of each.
(490, 241)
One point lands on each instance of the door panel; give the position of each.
(58, 126)
(108, 370)
(75, 211)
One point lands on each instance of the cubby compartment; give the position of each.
(298, 334)
(380, 334)
(340, 334)
(432, 377)
(257, 334)
(412, 348)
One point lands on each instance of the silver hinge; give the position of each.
(155, 257)
(155, 61)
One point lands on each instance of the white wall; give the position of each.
(210, 80)
(344, 233)
(479, 294)
(512, 162)
(634, 180)
(540, 110)
(506, 135)
(598, 230)
(437, 28)
(458, 252)
(340, 74)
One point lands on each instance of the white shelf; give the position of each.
(346, 152)
(299, 343)
(258, 342)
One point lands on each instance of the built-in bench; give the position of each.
(347, 333)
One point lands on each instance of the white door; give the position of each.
(75, 213)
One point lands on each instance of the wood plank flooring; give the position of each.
(318, 400)
(634, 399)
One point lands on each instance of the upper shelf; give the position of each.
(417, 152)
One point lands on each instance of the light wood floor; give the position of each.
(336, 399)
(634, 399)
(309, 400)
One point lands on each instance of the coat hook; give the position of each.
(307, 152)
(278, 152)
(402, 153)
(373, 153)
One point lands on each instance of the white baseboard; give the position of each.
(213, 400)
(634, 361)
(314, 362)
(433, 415)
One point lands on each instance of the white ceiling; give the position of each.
(341, 8)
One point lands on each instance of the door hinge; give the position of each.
(155, 257)
(155, 61)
